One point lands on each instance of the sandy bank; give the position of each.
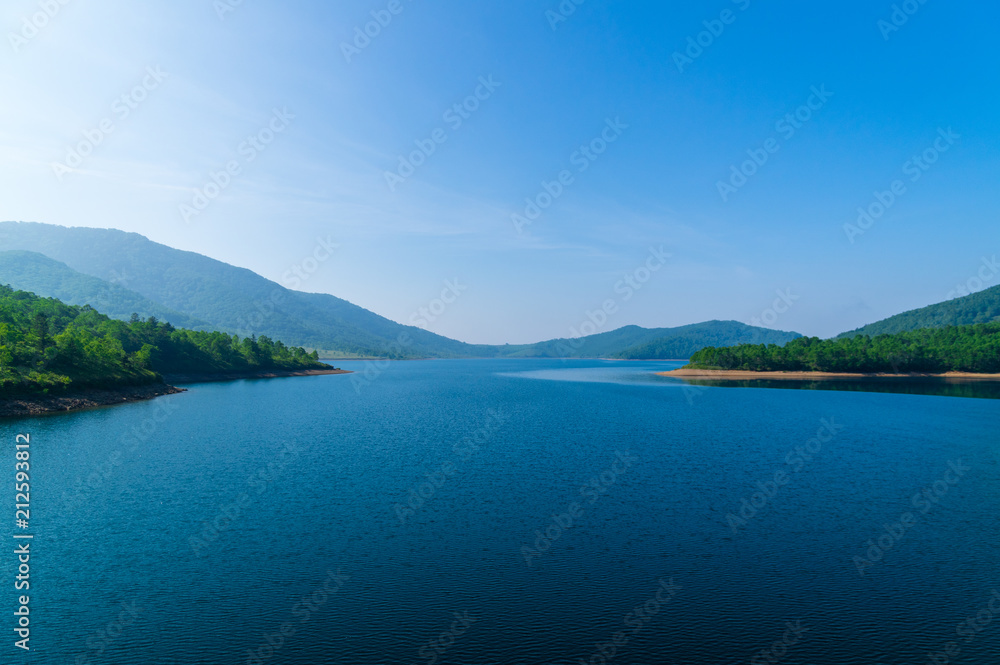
(740, 375)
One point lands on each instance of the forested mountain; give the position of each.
(973, 348)
(686, 340)
(30, 271)
(202, 293)
(981, 307)
(227, 298)
(47, 345)
(635, 343)
(601, 345)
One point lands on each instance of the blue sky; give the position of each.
(327, 130)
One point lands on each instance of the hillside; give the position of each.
(78, 265)
(47, 346)
(981, 307)
(227, 298)
(30, 271)
(600, 345)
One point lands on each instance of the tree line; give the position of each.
(49, 346)
(972, 348)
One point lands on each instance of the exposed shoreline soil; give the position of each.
(37, 405)
(741, 375)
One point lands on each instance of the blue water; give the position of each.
(123, 500)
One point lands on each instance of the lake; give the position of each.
(509, 511)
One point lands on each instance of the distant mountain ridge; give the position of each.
(636, 343)
(195, 291)
(227, 298)
(685, 341)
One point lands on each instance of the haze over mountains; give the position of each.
(31, 271)
(120, 273)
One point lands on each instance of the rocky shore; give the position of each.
(36, 405)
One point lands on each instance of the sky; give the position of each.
(516, 169)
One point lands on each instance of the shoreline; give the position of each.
(744, 375)
(239, 376)
(39, 405)
(29, 406)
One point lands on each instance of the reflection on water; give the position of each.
(978, 388)
(604, 371)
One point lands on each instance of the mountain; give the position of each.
(683, 342)
(115, 272)
(600, 345)
(635, 343)
(227, 298)
(981, 307)
(37, 273)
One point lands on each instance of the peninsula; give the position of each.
(957, 353)
(59, 357)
